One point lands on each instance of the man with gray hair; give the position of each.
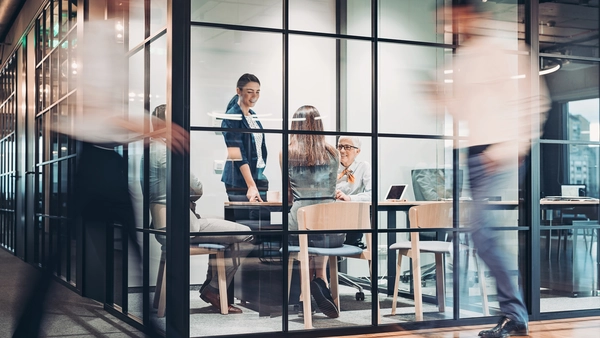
(354, 177)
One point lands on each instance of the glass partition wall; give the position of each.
(8, 108)
(56, 76)
(364, 65)
(361, 64)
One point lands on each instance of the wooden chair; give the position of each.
(436, 215)
(328, 216)
(159, 216)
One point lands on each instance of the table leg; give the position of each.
(391, 265)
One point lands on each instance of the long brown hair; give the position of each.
(309, 149)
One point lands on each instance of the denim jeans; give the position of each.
(486, 182)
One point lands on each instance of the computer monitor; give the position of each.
(572, 190)
(433, 184)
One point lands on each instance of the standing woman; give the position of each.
(312, 174)
(247, 152)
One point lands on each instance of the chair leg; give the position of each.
(290, 270)
(418, 291)
(440, 278)
(333, 284)
(222, 282)
(162, 303)
(482, 285)
(159, 279)
(305, 289)
(397, 282)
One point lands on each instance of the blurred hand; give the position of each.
(341, 196)
(253, 195)
(179, 140)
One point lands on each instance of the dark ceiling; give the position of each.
(8, 12)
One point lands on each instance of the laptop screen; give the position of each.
(396, 192)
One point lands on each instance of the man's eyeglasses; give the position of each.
(346, 147)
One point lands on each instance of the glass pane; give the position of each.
(568, 269)
(569, 28)
(313, 15)
(358, 17)
(426, 171)
(136, 84)
(73, 67)
(219, 58)
(158, 15)
(258, 280)
(135, 30)
(402, 96)
(158, 72)
(569, 170)
(575, 113)
(312, 57)
(239, 12)
(411, 20)
(135, 152)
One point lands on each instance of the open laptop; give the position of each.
(396, 192)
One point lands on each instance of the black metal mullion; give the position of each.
(145, 252)
(178, 171)
(69, 220)
(124, 266)
(284, 161)
(532, 259)
(375, 164)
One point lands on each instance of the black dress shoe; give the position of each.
(322, 295)
(506, 327)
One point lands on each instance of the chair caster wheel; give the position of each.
(360, 295)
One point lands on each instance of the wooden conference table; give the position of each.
(391, 208)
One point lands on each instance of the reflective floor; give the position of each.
(577, 327)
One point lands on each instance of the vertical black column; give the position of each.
(178, 174)
(375, 165)
(530, 263)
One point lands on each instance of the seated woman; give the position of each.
(312, 172)
(158, 205)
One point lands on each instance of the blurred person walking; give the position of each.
(491, 93)
(101, 194)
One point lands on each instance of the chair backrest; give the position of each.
(434, 215)
(438, 215)
(335, 216)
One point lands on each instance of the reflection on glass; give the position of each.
(239, 12)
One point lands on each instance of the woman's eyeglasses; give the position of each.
(346, 147)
